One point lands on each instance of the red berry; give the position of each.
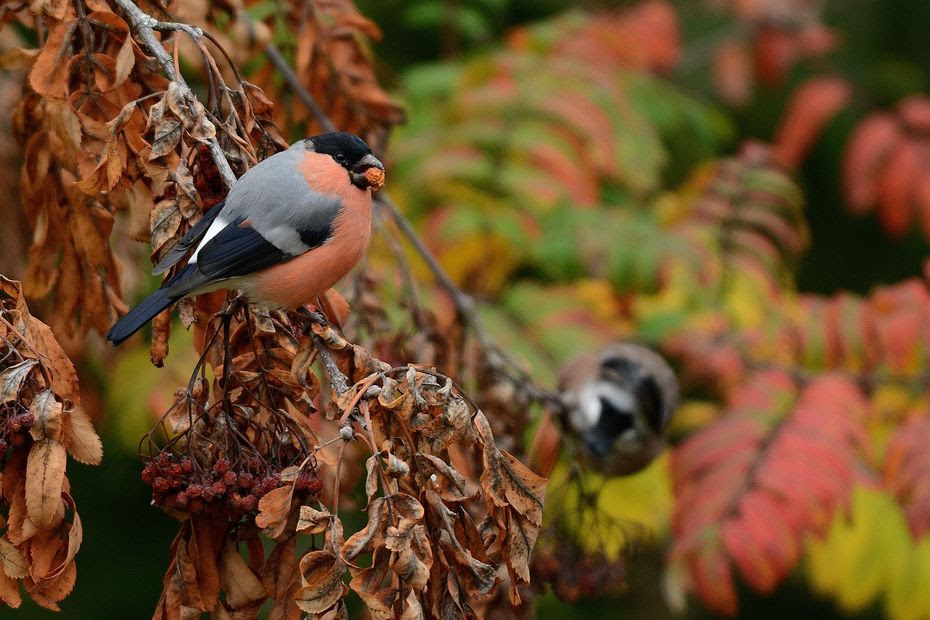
(221, 466)
(160, 485)
(248, 503)
(246, 480)
(219, 488)
(187, 465)
(229, 478)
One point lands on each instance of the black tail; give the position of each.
(139, 316)
(146, 311)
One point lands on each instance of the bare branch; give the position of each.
(497, 359)
(280, 63)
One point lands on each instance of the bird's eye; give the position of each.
(341, 158)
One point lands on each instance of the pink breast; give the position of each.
(301, 280)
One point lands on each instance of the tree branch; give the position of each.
(144, 27)
(280, 63)
(498, 360)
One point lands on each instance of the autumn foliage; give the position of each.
(803, 412)
(42, 422)
(596, 178)
(259, 442)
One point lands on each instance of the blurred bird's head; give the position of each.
(618, 404)
(353, 154)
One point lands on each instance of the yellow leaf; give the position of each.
(858, 558)
(640, 504)
(907, 595)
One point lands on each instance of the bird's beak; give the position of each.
(368, 172)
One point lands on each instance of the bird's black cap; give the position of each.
(345, 148)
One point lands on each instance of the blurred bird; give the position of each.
(289, 229)
(618, 404)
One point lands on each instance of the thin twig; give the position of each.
(42, 367)
(280, 63)
(498, 360)
(144, 26)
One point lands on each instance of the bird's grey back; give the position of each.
(276, 198)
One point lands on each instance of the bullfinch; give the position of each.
(288, 230)
(618, 403)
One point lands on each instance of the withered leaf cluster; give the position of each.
(451, 517)
(255, 447)
(41, 422)
(104, 130)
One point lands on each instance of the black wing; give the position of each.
(190, 239)
(234, 251)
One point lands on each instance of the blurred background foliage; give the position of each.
(601, 170)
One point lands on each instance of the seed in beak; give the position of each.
(375, 177)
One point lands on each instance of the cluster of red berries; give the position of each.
(180, 486)
(14, 426)
(308, 481)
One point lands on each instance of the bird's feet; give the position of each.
(312, 313)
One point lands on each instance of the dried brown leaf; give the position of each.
(240, 584)
(279, 575)
(81, 440)
(445, 480)
(274, 510)
(312, 521)
(12, 379)
(12, 560)
(47, 412)
(371, 535)
(45, 475)
(161, 331)
(167, 136)
(507, 481)
(203, 548)
(75, 537)
(49, 75)
(321, 578)
(18, 58)
(49, 592)
(9, 591)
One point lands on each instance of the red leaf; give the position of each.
(896, 188)
(790, 464)
(813, 104)
(869, 146)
